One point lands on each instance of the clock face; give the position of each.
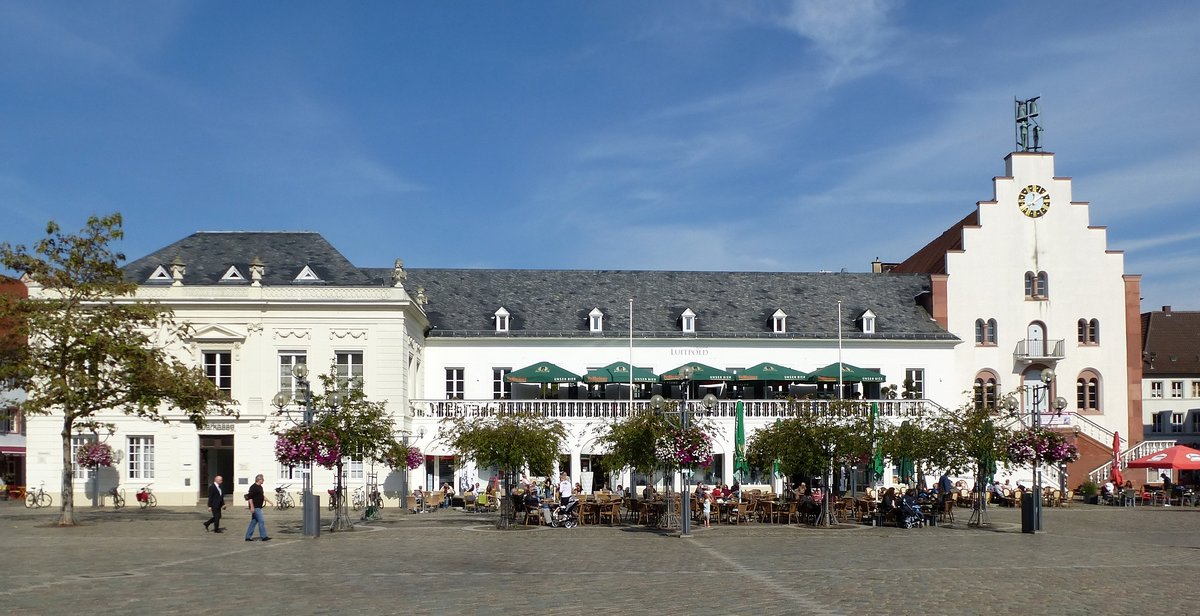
(1033, 201)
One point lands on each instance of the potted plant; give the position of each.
(1090, 492)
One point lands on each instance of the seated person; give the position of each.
(532, 502)
(997, 493)
(888, 502)
(735, 491)
(419, 500)
(648, 492)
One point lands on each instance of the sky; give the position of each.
(764, 136)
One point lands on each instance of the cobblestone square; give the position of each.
(1089, 560)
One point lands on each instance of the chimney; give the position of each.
(1167, 309)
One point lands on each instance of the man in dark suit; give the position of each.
(216, 502)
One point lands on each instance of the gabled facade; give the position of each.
(1171, 375)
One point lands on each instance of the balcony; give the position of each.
(1030, 351)
(616, 409)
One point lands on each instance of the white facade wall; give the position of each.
(986, 280)
(255, 325)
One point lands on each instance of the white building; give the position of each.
(1023, 283)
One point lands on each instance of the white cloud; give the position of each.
(852, 34)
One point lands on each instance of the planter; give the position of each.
(1093, 499)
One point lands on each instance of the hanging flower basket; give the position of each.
(303, 444)
(414, 458)
(681, 448)
(408, 457)
(1041, 444)
(94, 455)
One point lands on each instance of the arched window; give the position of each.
(1037, 286)
(1088, 331)
(985, 332)
(1087, 391)
(992, 333)
(979, 331)
(1081, 330)
(986, 390)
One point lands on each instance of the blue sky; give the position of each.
(808, 135)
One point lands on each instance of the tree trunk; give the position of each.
(66, 516)
(506, 504)
(828, 522)
(341, 517)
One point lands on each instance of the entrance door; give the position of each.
(1036, 340)
(216, 458)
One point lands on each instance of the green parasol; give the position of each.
(618, 372)
(850, 374)
(542, 372)
(769, 372)
(700, 372)
(877, 459)
(739, 442)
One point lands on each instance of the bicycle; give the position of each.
(38, 497)
(375, 499)
(335, 498)
(283, 499)
(359, 499)
(146, 498)
(118, 497)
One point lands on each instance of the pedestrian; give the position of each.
(708, 499)
(255, 500)
(216, 502)
(564, 489)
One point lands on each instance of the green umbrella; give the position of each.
(906, 468)
(700, 372)
(767, 371)
(850, 374)
(739, 441)
(542, 372)
(877, 459)
(618, 372)
(775, 464)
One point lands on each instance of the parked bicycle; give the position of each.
(38, 497)
(359, 498)
(283, 498)
(375, 499)
(335, 498)
(146, 498)
(118, 497)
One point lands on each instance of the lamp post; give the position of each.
(658, 403)
(1040, 396)
(311, 516)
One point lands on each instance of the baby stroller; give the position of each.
(908, 513)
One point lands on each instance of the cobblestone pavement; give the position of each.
(1093, 560)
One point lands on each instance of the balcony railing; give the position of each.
(1029, 351)
(616, 409)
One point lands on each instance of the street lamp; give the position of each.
(312, 517)
(1040, 396)
(658, 403)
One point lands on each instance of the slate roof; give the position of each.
(462, 302)
(556, 303)
(1170, 343)
(209, 254)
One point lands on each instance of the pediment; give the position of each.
(216, 333)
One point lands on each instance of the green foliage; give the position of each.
(813, 439)
(92, 347)
(364, 429)
(1089, 488)
(508, 441)
(630, 442)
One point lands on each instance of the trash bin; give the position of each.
(1028, 513)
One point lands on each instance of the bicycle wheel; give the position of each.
(288, 503)
(152, 500)
(357, 503)
(31, 499)
(45, 500)
(118, 501)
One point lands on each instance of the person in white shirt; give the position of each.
(564, 488)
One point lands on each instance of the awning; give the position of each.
(619, 373)
(12, 450)
(767, 371)
(700, 372)
(850, 374)
(542, 372)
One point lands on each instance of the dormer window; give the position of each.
(867, 320)
(307, 275)
(502, 320)
(687, 322)
(779, 321)
(160, 275)
(233, 275)
(595, 321)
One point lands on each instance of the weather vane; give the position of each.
(1029, 132)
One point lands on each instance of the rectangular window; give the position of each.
(1157, 423)
(218, 367)
(501, 389)
(141, 457)
(1176, 422)
(454, 383)
(355, 469)
(914, 379)
(1156, 389)
(289, 473)
(1176, 389)
(287, 382)
(349, 369)
(8, 420)
(1196, 389)
(77, 441)
(1195, 422)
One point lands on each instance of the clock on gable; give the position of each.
(1033, 201)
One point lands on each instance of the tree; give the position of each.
(823, 439)
(509, 441)
(630, 442)
(92, 348)
(346, 425)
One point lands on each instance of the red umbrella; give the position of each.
(1179, 457)
(1115, 473)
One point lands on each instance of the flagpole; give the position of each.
(840, 384)
(629, 482)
